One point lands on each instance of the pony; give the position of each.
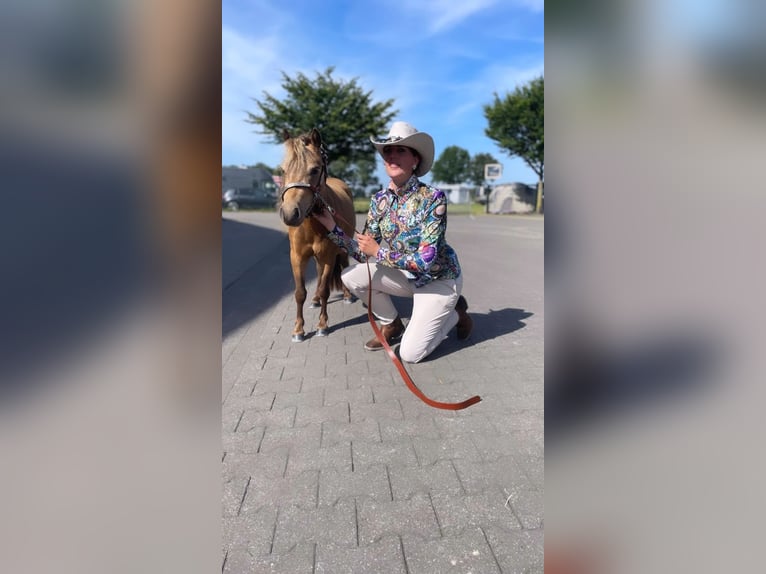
(307, 189)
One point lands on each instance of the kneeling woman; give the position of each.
(412, 219)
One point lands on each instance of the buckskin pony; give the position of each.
(308, 189)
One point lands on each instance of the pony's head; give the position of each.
(304, 172)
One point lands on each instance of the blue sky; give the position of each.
(439, 60)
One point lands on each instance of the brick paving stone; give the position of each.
(431, 450)
(354, 397)
(319, 381)
(399, 453)
(527, 505)
(253, 532)
(534, 468)
(308, 436)
(292, 385)
(271, 464)
(456, 513)
(376, 380)
(392, 430)
(503, 473)
(300, 560)
(230, 418)
(275, 362)
(387, 409)
(402, 517)
(517, 551)
(266, 374)
(393, 392)
(242, 389)
(466, 553)
(383, 557)
(371, 482)
(437, 478)
(519, 421)
(351, 370)
(466, 424)
(243, 442)
(233, 494)
(286, 399)
(367, 430)
(299, 490)
(254, 418)
(332, 524)
(507, 444)
(305, 457)
(338, 413)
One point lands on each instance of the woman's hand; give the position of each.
(326, 219)
(367, 244)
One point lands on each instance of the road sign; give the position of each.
(493, 170)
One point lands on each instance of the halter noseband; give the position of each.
(314, 188)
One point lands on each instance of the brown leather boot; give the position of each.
(464, 322)
(391, 332)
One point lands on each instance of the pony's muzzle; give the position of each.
(291, 217)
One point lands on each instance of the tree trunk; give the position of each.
(539, 206)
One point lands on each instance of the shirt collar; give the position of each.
(409, 186)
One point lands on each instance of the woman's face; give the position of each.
(400, 162)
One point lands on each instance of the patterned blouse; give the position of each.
(413, 221)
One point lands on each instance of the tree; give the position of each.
(516, 123)
(262, 165)
(453, 166)
(344, 113)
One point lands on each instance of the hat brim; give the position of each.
(421, 142)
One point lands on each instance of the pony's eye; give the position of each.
(314, 171)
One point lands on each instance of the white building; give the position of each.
(455, 192)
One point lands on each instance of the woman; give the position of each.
(412, 218)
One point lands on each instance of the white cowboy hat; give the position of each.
(402, 133)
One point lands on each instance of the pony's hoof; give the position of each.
(322, 332)
(349, 300)
(314, 305)
(298, 338)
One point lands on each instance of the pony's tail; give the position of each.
(341, 262)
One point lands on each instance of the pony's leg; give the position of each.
(348, 296)
(299, 266)
(316, 299)
(323, 291)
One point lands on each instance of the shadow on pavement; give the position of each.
(255, 270)
(486, 326)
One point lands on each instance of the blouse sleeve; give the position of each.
(348, 244)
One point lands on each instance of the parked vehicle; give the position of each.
(243, 197)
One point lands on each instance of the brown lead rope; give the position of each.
(379, 334)
(402, 371)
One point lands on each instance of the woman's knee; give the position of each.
(351, 279)
(411, 354)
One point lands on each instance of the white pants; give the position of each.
(433, 305)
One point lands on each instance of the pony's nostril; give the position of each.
(296, 214)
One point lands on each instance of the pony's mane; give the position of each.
(297, 155)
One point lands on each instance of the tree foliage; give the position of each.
(452, 166)
(476, 172)
(344, 113)
(516, 123)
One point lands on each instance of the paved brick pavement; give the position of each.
(331, 465)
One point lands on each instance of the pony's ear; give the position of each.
(316, 137)
(285, 134)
